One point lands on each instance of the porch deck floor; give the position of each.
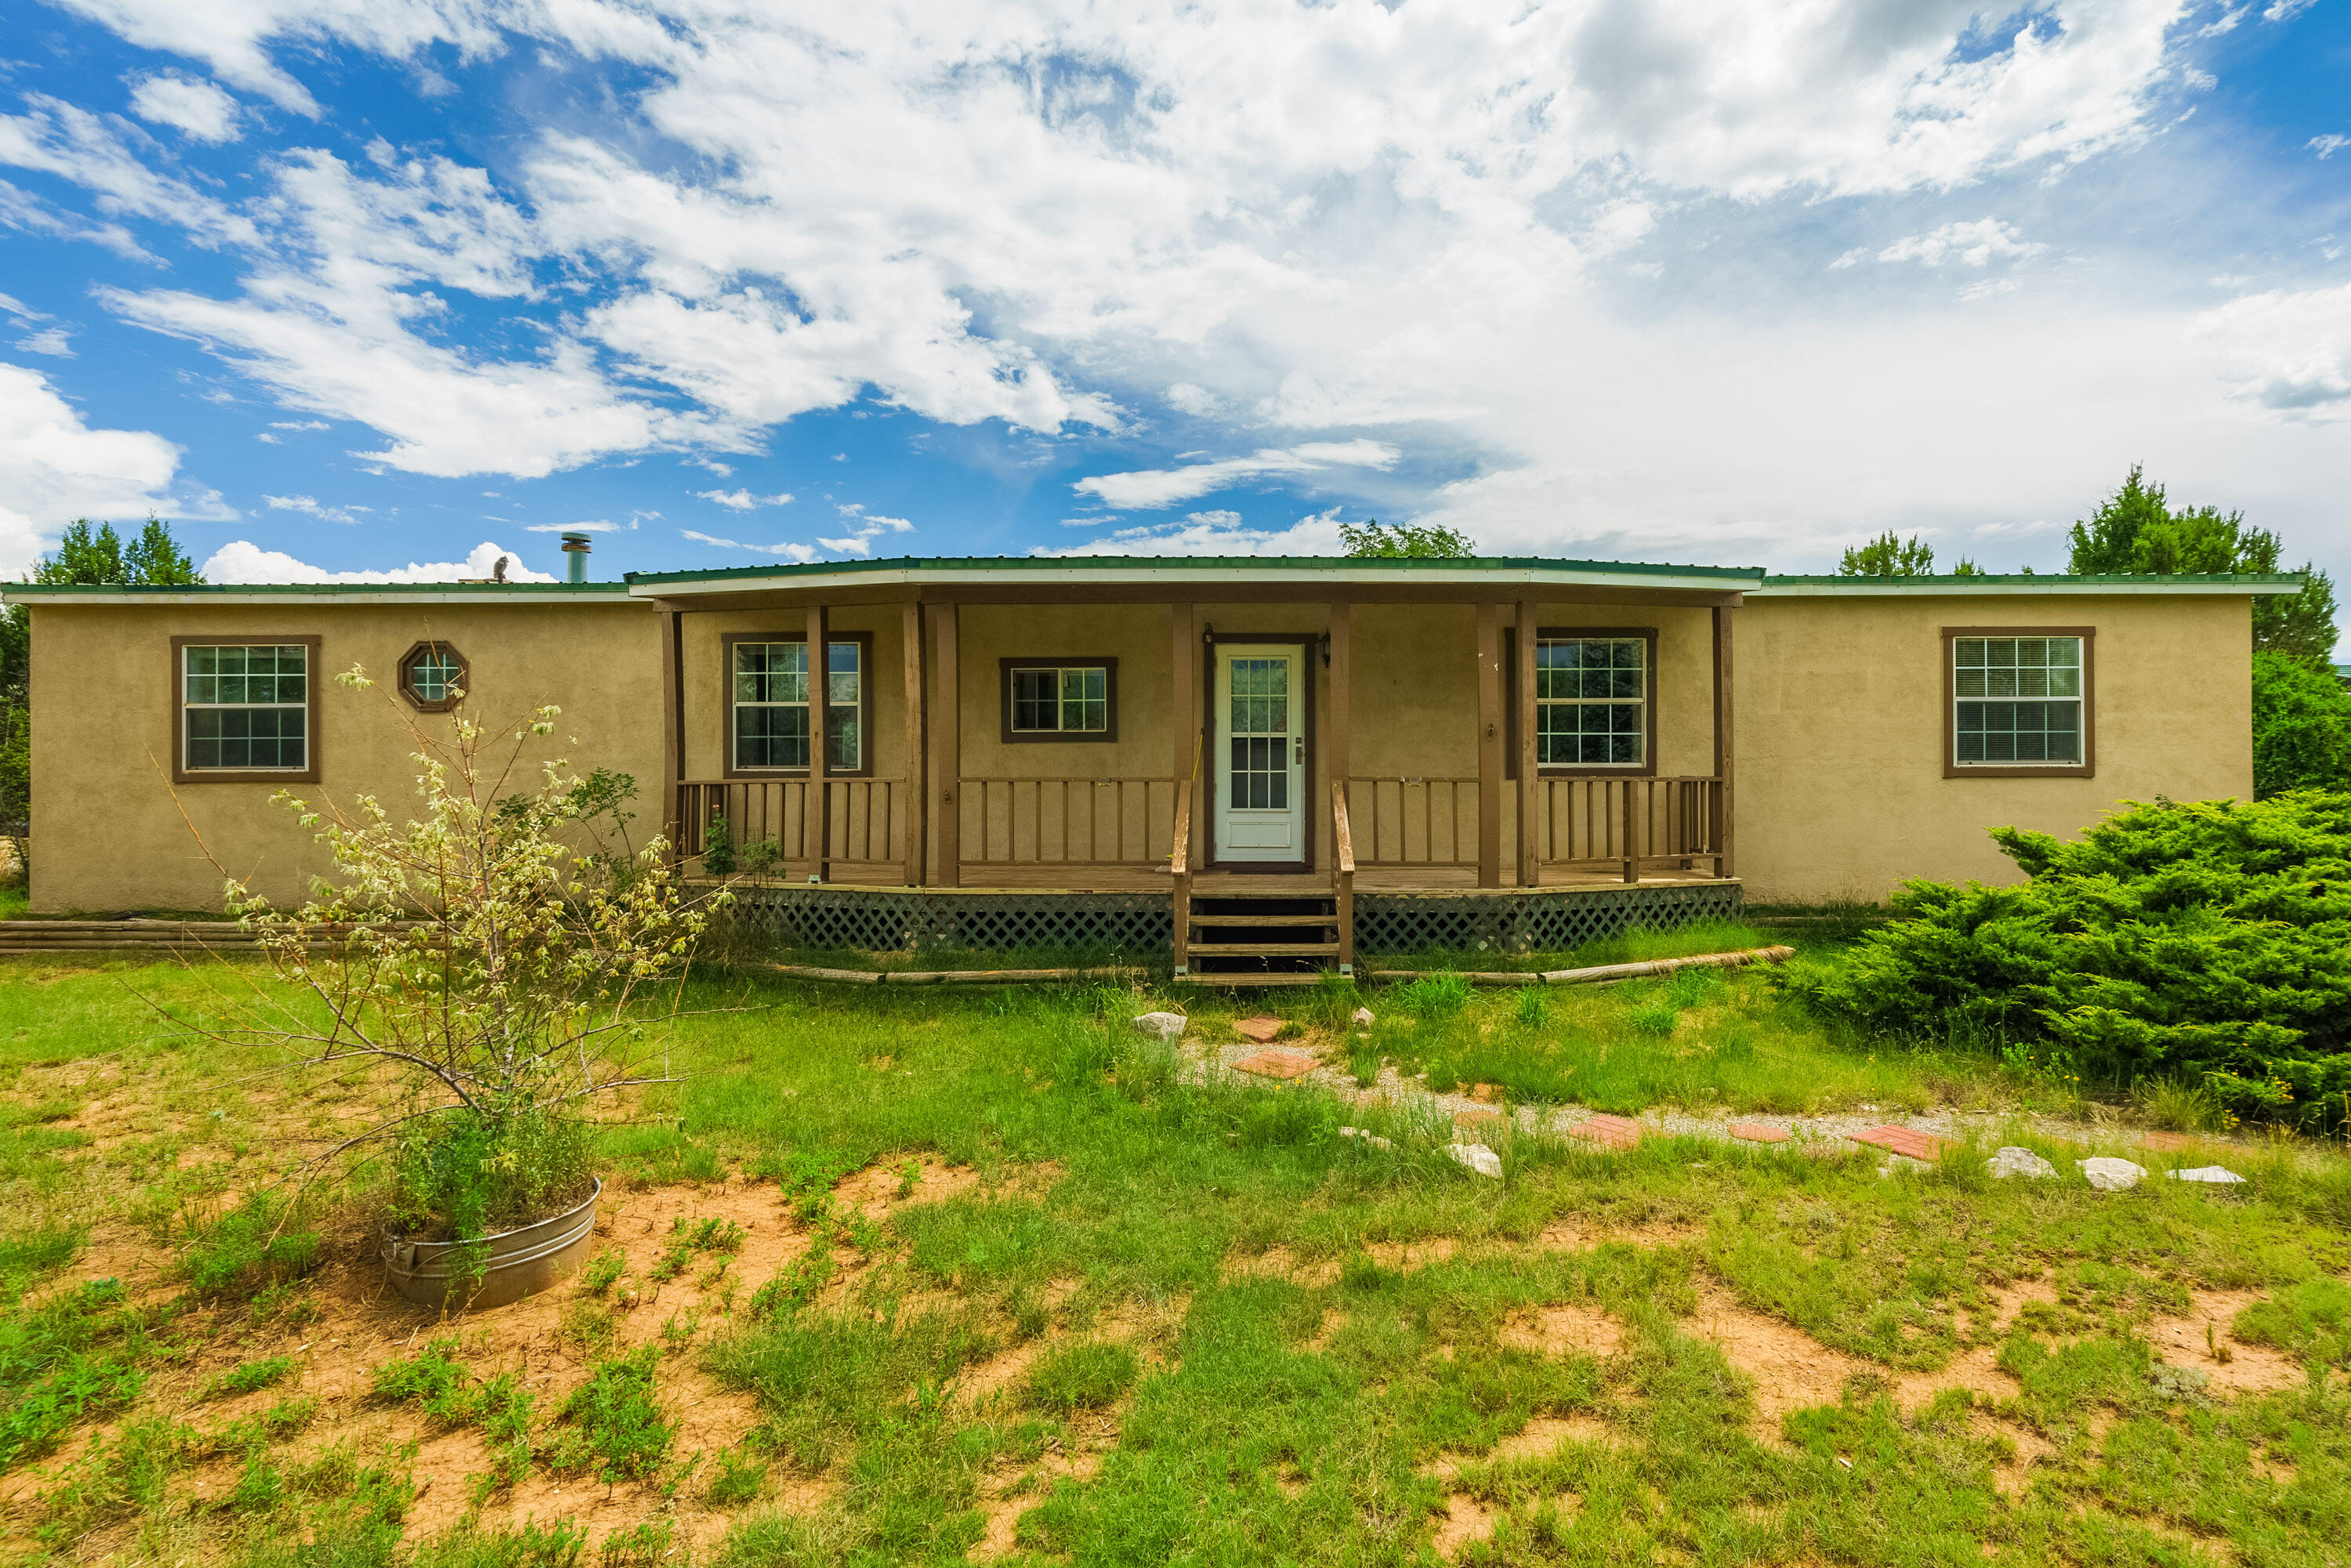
(1431, 880)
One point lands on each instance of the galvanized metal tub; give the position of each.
(520, 1263)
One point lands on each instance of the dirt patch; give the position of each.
(1327, 1331)
(1575, 1329)
(1579, 1232)
(1467, 1522)
(1540, 1438)
(2233, 1366)
(1281, 1263)
(883, 1186)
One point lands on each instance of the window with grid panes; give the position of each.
(2017, 701)
(1064, 700)
(431, 673)
(1591, 702)
(772, 706)
(246, 706)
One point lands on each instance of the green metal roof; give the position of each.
(92, 590)
(1166, 563)
(2087, 580)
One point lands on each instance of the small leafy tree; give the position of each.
(1887, 556)
(486, 957)
(1414, 542)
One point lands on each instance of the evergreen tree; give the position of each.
(2135, 531)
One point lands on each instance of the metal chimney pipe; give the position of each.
(575, 558)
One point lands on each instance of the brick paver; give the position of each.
(1617, 1131)
(1907, 1141)
(1467, 1119)
(1277, 1064)
(1760, 1133)
(1259, 1028)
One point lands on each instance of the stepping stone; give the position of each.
(1479, 1119)
(1477, 1158)
(1277, 1064)
(1617, 1131)
(1905, 1140)
(2169, 1143)
(1371, 1140)
(1160, 1025)
(1259, 1028)
(2012, 1161)
(2108, 1173)
(2220, 1174)
(1760, 1133)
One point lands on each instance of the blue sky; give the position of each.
(358, 285)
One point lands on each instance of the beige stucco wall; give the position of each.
(1840, 791)
(106, 834)
(1839, 763)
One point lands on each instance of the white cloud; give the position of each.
(15, 307)
(864, 529)
(195, 108)
(1976, 244)
(2328, 146)
(2290, 352)
(1150, 488)
(242, 561)
(48, 340)
(55, 468)
(310, 507)
(599, 527)
(1217, 532)
(796, 551)
(302, 425)
(743, 500)
(59, 139)
(1198, 402)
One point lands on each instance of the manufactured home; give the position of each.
(1256, 764)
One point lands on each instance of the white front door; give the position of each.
(1260, 753)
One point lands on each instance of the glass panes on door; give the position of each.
(2018, 700)
(1591, 702)
(772, 706)
(1260, 734)
(247, 707)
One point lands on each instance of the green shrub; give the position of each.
(256, 1244)
(462, 1173)
(1434, 998)
(1081, 1377)
(2302, 726)
(2209, 938)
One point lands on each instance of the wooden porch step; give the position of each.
(1199, 918)
(1265, 949)
(1246, 978)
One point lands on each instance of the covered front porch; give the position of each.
(1274, 732)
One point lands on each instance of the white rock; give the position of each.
(2206, 1173)
(2110, 1175)
(1477, 1157)
(1371, 1140)
(2014, 1162)
(1360, 1018)
(1160, 1025)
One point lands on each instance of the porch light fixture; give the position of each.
(1324, 642)
(1207, 634)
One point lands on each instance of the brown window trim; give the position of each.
(1648, 766)
(182, 773)
(1012, 737)
(463, 679)
(2087, 768)
(864, 640)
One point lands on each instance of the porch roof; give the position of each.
(1206, 572)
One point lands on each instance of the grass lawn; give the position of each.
(947, 1275)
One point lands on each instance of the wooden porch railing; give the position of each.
(866, 817)
(1625, 824)
(1342, 876)
(1074, 822)
(1179, 862)
(1415, 820)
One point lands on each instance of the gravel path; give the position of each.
(1823, 1135)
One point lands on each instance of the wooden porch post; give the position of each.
(1341, 726)
(1489, 744)
(1183, 711)
(1724, 864)
(816, 819)
(1530, 791)
(947, 737)
(673, 815)
(915, 814)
